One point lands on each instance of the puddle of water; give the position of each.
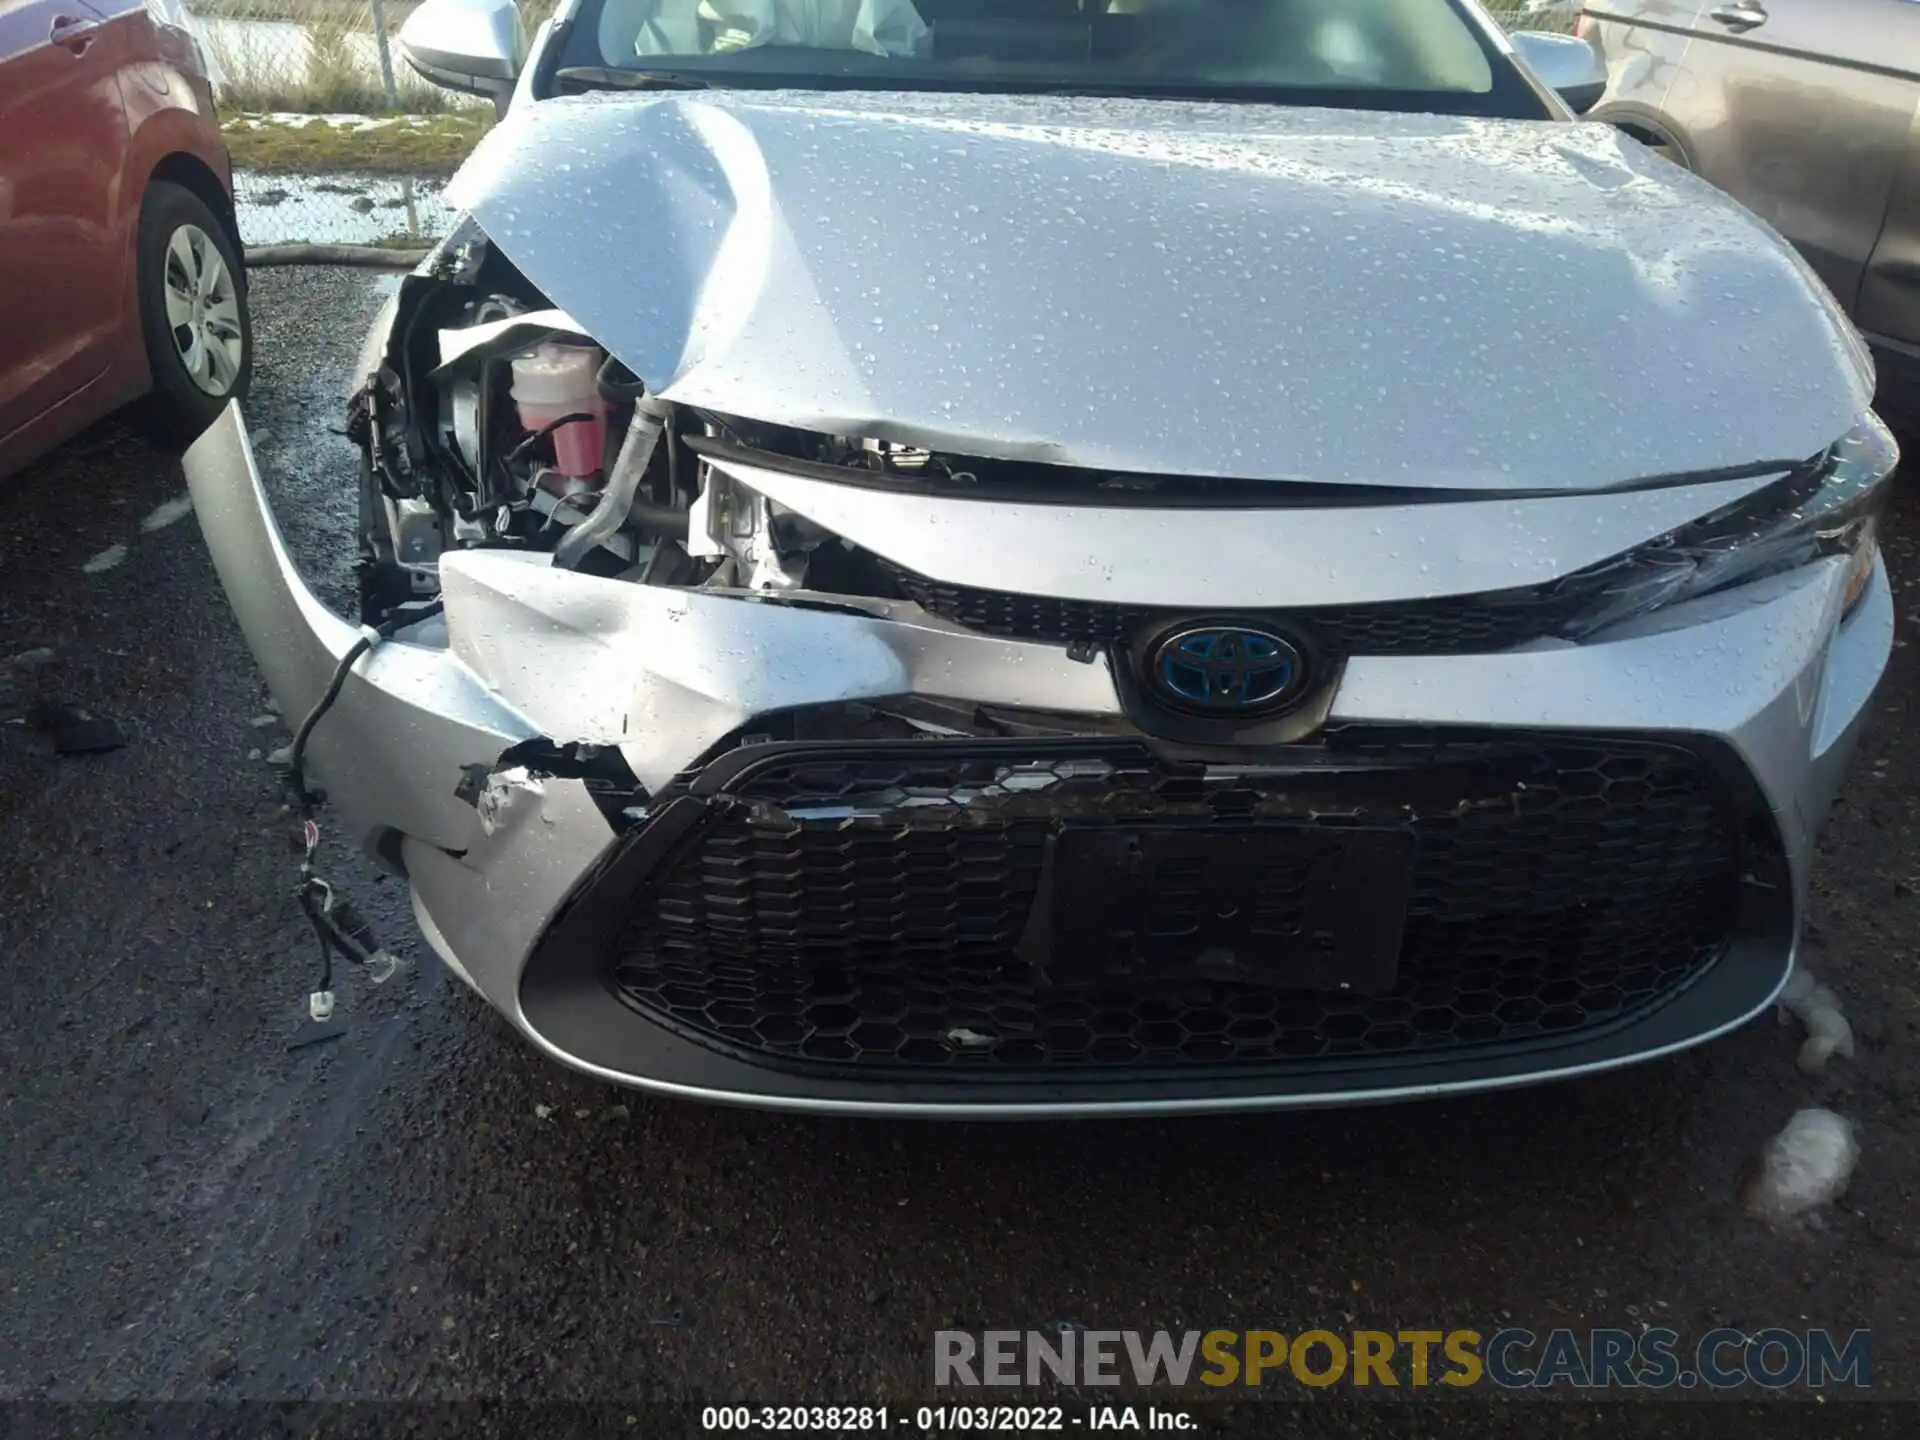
(338, 208)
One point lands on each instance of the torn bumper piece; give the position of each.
(1605, 846)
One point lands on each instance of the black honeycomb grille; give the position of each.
(864, 912)
(1454, 625)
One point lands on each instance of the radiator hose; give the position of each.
(623, 483)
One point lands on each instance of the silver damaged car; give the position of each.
(1078, 557)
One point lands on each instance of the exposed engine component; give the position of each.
(495, 423)
(556, 398)
(737, 526)
(616, 497)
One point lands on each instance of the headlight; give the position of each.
(1865, 551)
(1830, 506)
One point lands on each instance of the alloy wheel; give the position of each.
(203, 310)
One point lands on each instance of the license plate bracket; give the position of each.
(1288, 906)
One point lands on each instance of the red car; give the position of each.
(120, 260)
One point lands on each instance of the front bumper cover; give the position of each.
(1769, 677)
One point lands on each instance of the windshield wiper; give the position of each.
(630, 79)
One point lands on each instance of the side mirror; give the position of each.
(474, 46)
(1564, 64)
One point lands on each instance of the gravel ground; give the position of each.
(425, 1209)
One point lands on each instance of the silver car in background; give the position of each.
(1808, 112)
(969, 558)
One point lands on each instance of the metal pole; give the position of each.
(386, 59)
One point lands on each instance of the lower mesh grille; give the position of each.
(864, 910)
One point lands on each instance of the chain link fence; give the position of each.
(1555, 15)
(315, 56)
(336, 141)
(321, 56)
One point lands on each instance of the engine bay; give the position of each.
(492, 423)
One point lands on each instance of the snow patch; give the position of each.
(1803, 1167)
(1818, 1008)
(166, 512)
(358, 124)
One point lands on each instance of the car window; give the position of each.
(1419, 47)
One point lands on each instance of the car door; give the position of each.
(63, 131)
(1889, 307)
(1643, 44)
(1802, 109)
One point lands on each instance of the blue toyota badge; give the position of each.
(1226, 670)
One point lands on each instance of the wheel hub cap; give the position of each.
(203, 311)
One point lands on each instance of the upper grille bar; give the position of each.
(1453, 625)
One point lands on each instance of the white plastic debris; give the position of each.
(264, 722)
(1803, 1167)
(105, 560)
(166, 512)
(506, 793)
(1818, 1008)
(967, 1039)
(381, 965)
(542, 1111)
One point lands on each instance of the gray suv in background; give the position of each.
(1808, 111)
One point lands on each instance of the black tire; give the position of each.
(179, 407)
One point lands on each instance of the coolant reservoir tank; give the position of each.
(552, 381)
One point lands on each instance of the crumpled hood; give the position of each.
(1252, 291)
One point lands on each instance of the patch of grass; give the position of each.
(423, 145)
(356, 96)
(400, 240)
(300, 11)
(331, 83)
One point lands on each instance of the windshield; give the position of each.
(1399, 54)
